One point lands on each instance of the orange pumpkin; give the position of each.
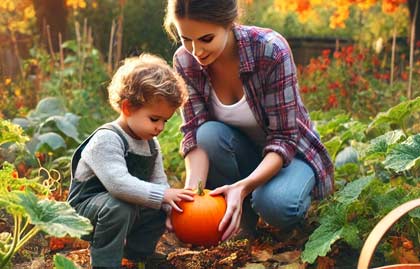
(199, 222)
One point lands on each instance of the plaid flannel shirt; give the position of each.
(268, 75)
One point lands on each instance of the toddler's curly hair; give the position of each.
(143, 79)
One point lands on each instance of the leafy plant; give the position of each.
(355, 80)
(386, 175)
(170, 140)
(52, 128)
(24, 199)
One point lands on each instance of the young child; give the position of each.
(118, 180)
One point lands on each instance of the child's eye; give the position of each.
(154, 119)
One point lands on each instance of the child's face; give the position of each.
(205, 41)
(149, 120)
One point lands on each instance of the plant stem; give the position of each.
(412, 39)
(12, 250)
(27, 237)
(200, 191)
(394, 38)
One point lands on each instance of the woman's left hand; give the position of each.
(234, 195)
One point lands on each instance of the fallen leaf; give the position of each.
(261, 255)
(253, 266)
(287, 257)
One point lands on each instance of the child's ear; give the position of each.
(126, 108)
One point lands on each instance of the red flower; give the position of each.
(336, 54)
(332, 100)
(326, 53)
(15, 174)
(375, 61)
(404, 75)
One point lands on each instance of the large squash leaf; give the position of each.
(404, 156)
(379, 145)
(352, 190)
(65, 125)
(48, 107)
(55, 218)
(321, 240)
(397, 114)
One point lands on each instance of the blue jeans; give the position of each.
(281, 202)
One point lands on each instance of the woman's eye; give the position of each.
(154, 119)
(207, 39)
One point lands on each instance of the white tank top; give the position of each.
(238, 115)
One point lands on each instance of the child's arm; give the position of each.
(104, 155)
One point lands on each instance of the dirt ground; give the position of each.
(269, 249)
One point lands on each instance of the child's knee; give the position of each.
(117, 211)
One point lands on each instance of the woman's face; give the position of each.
(205, 41)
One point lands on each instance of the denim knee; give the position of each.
(283, 214)
(280, 213)
(211, 135)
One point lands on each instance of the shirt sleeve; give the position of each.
(280, 99)
(104, 154)
(194, 112)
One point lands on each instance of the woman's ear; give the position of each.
(126, 108)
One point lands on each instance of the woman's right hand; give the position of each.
(172, 196)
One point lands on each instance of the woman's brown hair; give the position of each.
(220, 12)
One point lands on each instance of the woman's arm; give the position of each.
(236, 193)
(197, 167)
(269, 166)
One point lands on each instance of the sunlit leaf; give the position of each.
(404, 156)
(55, 218)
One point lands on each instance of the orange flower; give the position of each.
(15, 174)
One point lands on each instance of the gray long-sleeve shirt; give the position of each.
(103, 156)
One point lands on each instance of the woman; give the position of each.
(246, 131)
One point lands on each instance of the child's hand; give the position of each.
(172, 196)
(168, 223)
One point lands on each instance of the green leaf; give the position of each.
(320, 241)
(55, 218)
(404, 156)
(352, 190)
(61, 262)
(71, 45)
(332, 126)
(350, 234)
(47, 107)
(65, 126)
(379, 145)
(53, 140)
(397, 114)
(333, 146)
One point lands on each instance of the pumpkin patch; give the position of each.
(198, 223)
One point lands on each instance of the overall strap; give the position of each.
(152, 146)
(78, 152)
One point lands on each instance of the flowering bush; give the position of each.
(355, 80)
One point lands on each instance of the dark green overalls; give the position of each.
(121, 229)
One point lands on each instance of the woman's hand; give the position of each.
(234, 195)
(172, 196)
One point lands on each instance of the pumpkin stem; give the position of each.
(200, 188)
